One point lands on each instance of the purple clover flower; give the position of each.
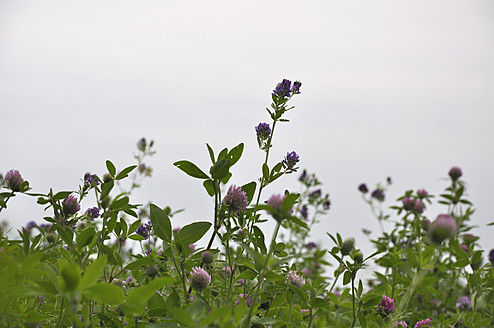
(13, 180)
(289, 162)
(92, 213)
(422, 193)
(296, 87)
(407, 203)
(236, 200)
(275, 201)
(442, 228)
(423, 323)
(378, 194)
(385, 307)
(199, 279)
(363, 188)
(463, 303)
(295, 279)
(70, 205)
(248, 300)
(418, 206)
(315, 194)
(400, 324)
(263, 131)
(303, 176)
(455, 173)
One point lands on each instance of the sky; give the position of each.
(399, 89)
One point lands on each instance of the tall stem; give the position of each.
(5, 202)
(353, 300)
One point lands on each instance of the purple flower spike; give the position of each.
(91, 179)
(92, 213)
(295, 279)
(400, 324)
(236, 200)
(385, 307)
(143, 231)
(463, 303)
(199, 279)
(263, 131)
(296, 87)
(423, 323)
(363, 188)
(378, 194)
(13, 180)
(407, 203)
(291, 159)
(70, 205)
(283, 89)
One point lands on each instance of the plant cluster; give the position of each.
(119, 264)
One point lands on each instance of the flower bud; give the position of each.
(70, 205)
(51, 237)
(347, 246)
(13, 180)
(455, 173)
(407, 203)
(152, 270)
(207, 257)
(199, 279)
(358, 257)
(442, 228)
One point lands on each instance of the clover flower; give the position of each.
(407, 203)
(303, 176)
(141, 144)
(263, 131)
(295, 279)
(236, 200)
(418, 206)
(363, 188)
(491, 256)
(422, 193)
(385, 307)
(145, 230)
(311, 245)
(70, 205)
(423, 323)
(469, 238)
(400, 324)
(248, 300)
(30, 226)
(92, 213)
(289, 162)
(463, 303)
(455, 173)
(442, 228)
(296, 87)
(199, 279)
(13, 180)
(207, 257)
(275, 201)
(378, 194)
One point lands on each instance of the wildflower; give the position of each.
(463, 303)
(291, 159)
(296, 87)
(283, 89)
(141, 144)
(400, 324)
(307, 271)
(144, 169)
(30, 225)
(295, 279)
(422, 193)
(199, 279)
(70, 205)
(385, 307)
(303, 176)
(347, 246)
(304, 211)
(407, 203)
(310, 245)
(176, 230)
(145, 230)
(464, 248)
(207, 257)
(91, 179)
(337, 293)
(455, 173)
(275, 202)
(358, 257)
(192, 247)
(363, 188)
(468, 238)
(491, 256)
(236, 200)
(315, 194)
(248, 300)
(423, 323)
(13, 180)
(418, 206)
(442, 228)
(263, 131)
(378, 194)
(92, 213)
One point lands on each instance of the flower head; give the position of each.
(422, 193)
(295, 279)
(207, 257)
(199, 279)
(248, 300)
(145, 230)
(442, 228)
(304, 211)
(263, 131)
(92, 213)
(418, 206)
(91, 179)
(13, 180)
(455, 173)
(70, 205)
(363, 188)
(141, 144)
(400, 324)
(423, 323)
(378, 194)
(315, 194)
(407, 203)
(289, 162)
(463, 303)
(385, 307)
(283, 89)
(236, 200)
(275, 201)
(296, 87)
(30, 225)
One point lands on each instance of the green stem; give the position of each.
(61, 315)
(291, 305)
(5, 202)
(353, 300)
(217, 224)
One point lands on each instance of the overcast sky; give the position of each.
(400, 89)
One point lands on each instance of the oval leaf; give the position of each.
(191, 169)
(191, 233)
(107, 293)
(161, 223)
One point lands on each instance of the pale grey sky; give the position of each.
(400, 89)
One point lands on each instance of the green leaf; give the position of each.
(249, 189)
(106, 187)
(119, 203)
(111, 168)
(264, 321)
(125, 172)
(191, 169)
(289, 201)
(235, 153)
(66, 233)
(211, 153)
(347, 277)
(220, 169)
(70, 277)
(161, 223)
(94, 271)
(107, 293)
(218, 314)
(20, 291)
(61, 195)
(85, 237)
(143, 261)
(184, 318)
(209, 186)
(139, 295)
(191, 233)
